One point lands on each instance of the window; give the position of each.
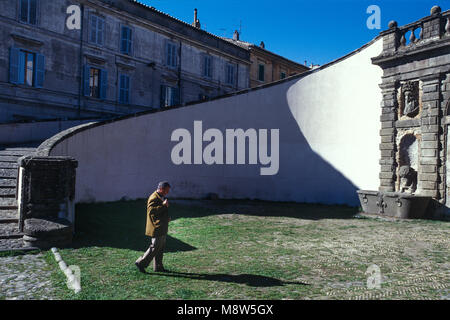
(229, 74)
(95, 82)
(207, 70)
(170, 96)
(282, 75)
(97, 28)
(125, 43)
(28, 11)
(124, 89)
(171, 54)
(261, 70)
(202, 97)
(26, 67)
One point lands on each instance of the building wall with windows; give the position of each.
(126, 58)
(267, 66)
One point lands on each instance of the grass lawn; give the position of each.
(256, 250)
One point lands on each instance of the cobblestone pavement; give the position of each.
(25, 277)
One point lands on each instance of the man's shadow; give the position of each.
(251, 280)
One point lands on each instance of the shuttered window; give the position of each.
(95, 82)
(170, 96)
(261, 71)
(207, 66)
(126, 40)
(229, 70)
(97, 30)
(171, 54)
(28, 10)
(124, 89)
(26, 67)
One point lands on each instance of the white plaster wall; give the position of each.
(329, 141)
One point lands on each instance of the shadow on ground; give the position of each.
(248, 279)
(122, 224)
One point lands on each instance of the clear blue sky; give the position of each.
(318, 31)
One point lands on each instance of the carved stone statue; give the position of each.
(408, 179)
(411, 99)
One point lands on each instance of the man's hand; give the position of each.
(166, 203)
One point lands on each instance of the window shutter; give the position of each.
(103, 84)
(100, 29)
(14, 62)
(162, 97)
(175, 96)
(126, 40)
(33, 12)
(86, 80)
(39, 74)
(130, 41)
(166, 53)
(93, 29)
(175, 48)
(127, 97)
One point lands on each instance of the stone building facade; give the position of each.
(126, 57)
(415, 108)
(267, 66)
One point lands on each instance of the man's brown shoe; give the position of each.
(141, 269)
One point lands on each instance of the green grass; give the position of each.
(255, 250)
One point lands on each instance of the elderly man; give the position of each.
(157, 226)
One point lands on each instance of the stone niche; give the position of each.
(408, 155)
(409, 100)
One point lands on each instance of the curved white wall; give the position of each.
(329, 138)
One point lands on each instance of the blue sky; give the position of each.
(315, 31)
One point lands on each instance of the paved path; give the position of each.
(25, 277)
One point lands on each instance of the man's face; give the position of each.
(164, 191)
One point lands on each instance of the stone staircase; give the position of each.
(10, 237)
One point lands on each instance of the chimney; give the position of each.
(236, 35)
(196, 22)
(262, 45)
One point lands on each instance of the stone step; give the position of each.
(8, 173)
(8, 220)
(9, 214)
(8, 203)
(21, 150)
(10, 231)
(9, 165)
(13, 153)
(7, 183)
(8, 192)
(8, 159)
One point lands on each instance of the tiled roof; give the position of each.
(248, 46)
(178, 20)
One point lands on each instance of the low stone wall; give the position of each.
(21, 133)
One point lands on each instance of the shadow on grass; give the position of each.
(121, 224)
(248, 279)
(117, 225)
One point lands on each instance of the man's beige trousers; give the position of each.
(155, 250)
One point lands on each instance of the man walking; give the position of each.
(157, 226)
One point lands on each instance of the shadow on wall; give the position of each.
(138, 149)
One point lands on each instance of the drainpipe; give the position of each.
(80, 87)
(179, 76)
